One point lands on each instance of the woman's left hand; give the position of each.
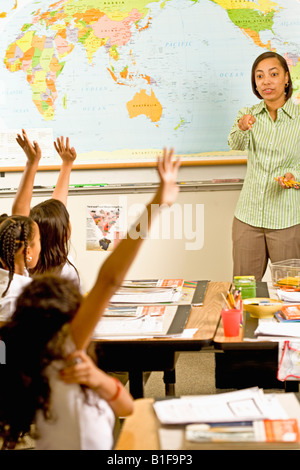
(282, 180)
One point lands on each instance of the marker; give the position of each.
(86, 185)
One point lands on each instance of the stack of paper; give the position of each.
(271, 330)
(142, 321)
(236, 420)
(288, 296)
(149, 292)
(240, 406)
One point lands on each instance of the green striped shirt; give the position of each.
(273, 150)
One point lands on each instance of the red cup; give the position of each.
(231, 321)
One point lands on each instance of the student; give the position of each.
(51, 322)
(267, 217)
(19, 251)
(51, 215)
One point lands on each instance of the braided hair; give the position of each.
(14, 232)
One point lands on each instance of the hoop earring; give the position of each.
(287, 84)
(29, 258)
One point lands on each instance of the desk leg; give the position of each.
(291, 386)
(170, 380)
(136, 387)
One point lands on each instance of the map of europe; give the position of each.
(124, 78)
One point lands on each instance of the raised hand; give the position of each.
(32, 150)
(66, 153)
(168, 170)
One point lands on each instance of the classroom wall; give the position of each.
(199, 243)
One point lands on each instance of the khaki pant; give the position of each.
(254, 246)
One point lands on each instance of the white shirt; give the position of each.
(76, 424)
(8, 303)
(69, 272)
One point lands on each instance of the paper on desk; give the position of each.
(270, 327)
(288, 296)
(144, 325)
(138, 296)
(242, 405)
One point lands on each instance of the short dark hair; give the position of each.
(283, 62)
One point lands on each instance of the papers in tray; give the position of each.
(233, 407)
(147, 320)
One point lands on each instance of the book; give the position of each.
(151, 291)
(291, 312)
(161, 291)
(268, 430)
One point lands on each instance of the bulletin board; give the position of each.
(124, 79)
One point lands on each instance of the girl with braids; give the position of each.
(52, 324)
(19, 251)
(51, 215)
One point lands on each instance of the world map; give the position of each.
(124, 78)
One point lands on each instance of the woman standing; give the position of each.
(267, 217)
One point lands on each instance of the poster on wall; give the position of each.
(104, 227)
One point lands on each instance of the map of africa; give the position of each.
(124, 78)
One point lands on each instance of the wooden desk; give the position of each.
(140, 431)
(136, 356)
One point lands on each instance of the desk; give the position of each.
(140, 430)
(247, 363)
(136, 356)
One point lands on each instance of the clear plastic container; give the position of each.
(286, 273)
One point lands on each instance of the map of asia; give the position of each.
(125, 78)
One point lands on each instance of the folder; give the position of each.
(149, 322)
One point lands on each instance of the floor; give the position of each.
(195, 374)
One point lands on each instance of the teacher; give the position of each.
(266, 222)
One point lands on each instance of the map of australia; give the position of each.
(128, 76)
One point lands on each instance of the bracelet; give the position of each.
(119, 389)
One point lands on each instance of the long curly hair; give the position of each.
(53, 220)
(15, 231)
(44, 306)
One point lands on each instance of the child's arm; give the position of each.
(114, 269)
(68, 155)
(22, 200)
(82, 370)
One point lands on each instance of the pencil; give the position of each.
(226, 302)
(290, 183)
